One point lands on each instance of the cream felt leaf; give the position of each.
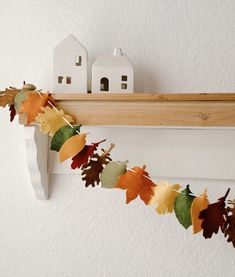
(19, 98)
(199, 204)
(164, 197)
(111, 173)
(72, 147)
(51, 120)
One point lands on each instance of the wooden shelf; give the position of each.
(151, 109)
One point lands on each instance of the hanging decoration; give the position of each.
(98, 168)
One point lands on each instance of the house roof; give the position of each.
(115, 59)
(69, 44)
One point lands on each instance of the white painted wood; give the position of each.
(170, 152)
(37, 157)
(70, 61)
(116, 69)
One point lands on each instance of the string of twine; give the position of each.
(128, 169)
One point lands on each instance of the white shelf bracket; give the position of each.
(37, 158)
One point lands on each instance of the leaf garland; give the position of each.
(229, 225)
(164, 197)
(82, 157)
(182, 207)
(213, 217)
(136, 182)
(91, 171)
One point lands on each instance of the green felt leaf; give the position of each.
(62, 135)
(19, 98)
(111, 172)
(182, 207)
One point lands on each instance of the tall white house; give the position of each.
(70, 66)
(112, 73)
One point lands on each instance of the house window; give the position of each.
(60, 79)
(78, 60)
(124, 86)
(124, 78)
(104, 84)
(68, 80)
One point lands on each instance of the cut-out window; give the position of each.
(78, 60)
(60, 79)
(68, 80)
(124, 78)
(124, 86)
(104, 84)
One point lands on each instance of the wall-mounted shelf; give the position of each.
(149, 109)
(181, 109)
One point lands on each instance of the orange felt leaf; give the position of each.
(7, 97)
(72, 147)
(198, 204)
(33, 104)
(136, 183)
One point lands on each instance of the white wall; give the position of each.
(175, 46)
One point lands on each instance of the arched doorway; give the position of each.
(104, 84)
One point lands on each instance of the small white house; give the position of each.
(70, 66)
(113, 73)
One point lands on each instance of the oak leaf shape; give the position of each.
(82, 157)
(164, 197)
(213, 217)
(199, 204)
(182, 207)
(7, 97)
(33, 104)
(229, 226)
(136, 182)
(91, 170)
(51, 120)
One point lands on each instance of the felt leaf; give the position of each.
(33, 104)
(51, 120)
(62, 135)
(82, 157)
(111, 173)
(72, 147)
(91, 170)
(213, 217)
(12, 112)
(19, 98)
(182, 207)
(229, 226)
(198, 204)
(136, 182)
(7, 97)
(164, 197)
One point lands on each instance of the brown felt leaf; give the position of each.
(7, 96)
(229, 226)
(91, 171)
(213, 217)
(136, 182)
(33, 104)
(12, 112)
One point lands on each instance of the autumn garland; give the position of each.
(98, 168)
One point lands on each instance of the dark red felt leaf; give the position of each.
(213, 217)
(229, 226)
(82, 157)
(12, 112)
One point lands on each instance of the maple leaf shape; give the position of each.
(164, 197)
(33, 104)
(229, 225)
(7, 97)
(52, 120)
(82, 157)
(213, 217)
(12, 112)
(91, 170)
(137, 182)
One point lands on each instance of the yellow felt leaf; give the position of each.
(51, 120)
(198, 204)
(164, 197)
(72, 147)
